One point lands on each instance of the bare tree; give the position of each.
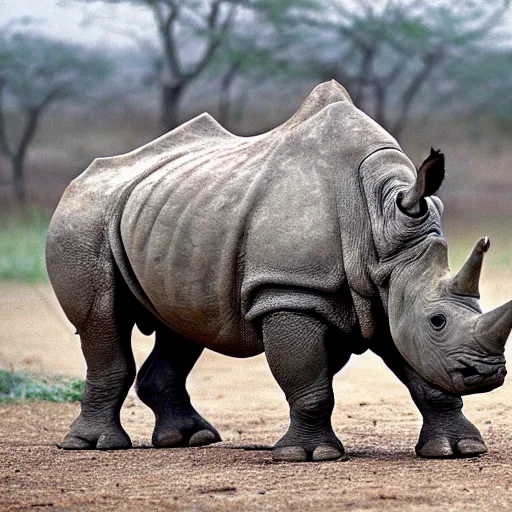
(385, 56)
(35, 73)
(385, 53)
(234, 37)
(483, 81)
(256, 49)
(189, 34)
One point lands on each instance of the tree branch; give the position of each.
(144, 43)
(33, 117)
(215, 35)
(489, 23)
(165, 26)
(381, 96)
(4, 143)
(364, 72)
(395, 72)
(226, 85)
(430, 61)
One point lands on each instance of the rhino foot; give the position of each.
(322, 452)
(180, 431)
(450, 437)
(296, 448)
(112, 438)
(442, 448)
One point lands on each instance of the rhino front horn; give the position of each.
(493, 328)
(465, 282)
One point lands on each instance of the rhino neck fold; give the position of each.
(397, 241)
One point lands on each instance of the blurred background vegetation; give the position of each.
(432, 73)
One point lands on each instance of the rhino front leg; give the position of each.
(161, 386)
(296, 350)
(446, 432)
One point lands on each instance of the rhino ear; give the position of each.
(428, 180)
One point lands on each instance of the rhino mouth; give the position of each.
(480, 377)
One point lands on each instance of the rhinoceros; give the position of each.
(314, 241)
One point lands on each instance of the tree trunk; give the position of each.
(18, 180)
(361, 81)
(430, 61)
(225, 94)
(381, 106)
(171, 97)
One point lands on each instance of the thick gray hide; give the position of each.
(215, 229)
(236, 243)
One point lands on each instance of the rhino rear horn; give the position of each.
(428, 180)
(493, 328)
(465, 282)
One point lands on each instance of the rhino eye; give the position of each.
(438, 322)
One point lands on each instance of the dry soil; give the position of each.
(374, 417)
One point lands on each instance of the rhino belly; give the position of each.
(208, 234)
(182, 229)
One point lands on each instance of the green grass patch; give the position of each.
(17, 385)
(22, 245)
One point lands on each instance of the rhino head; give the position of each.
(435, 319)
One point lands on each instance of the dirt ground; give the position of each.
(374, 417)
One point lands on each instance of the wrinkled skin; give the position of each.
(446, 432)
(435, 320)
(451, 355)
(375, 277)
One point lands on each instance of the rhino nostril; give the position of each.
(481, 375)
(468, 371)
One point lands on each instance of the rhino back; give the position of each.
(238, 215)
(182, 228)
(237, 228)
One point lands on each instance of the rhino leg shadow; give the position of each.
(446, 432)
(161, 386)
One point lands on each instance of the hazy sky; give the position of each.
(72, 20)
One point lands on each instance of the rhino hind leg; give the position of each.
(297, 352)
(446, 432)
(161, 386)
(105, 335)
